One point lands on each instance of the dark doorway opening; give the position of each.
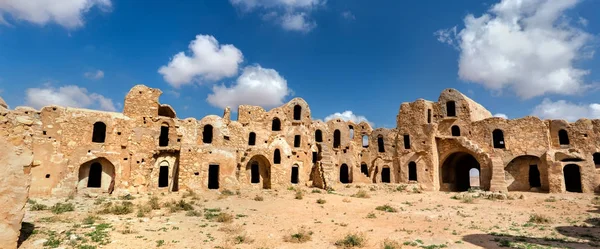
(297, 112)
(596, 157)
(498, 137)
(412, 171)
(451, 108)
(344, 174)
(336, 138)
(455, 131)
(380, 145)
(572, 178)
(252, 138)
(294, 179)
(207, 134)
(456, 171)
(385, 175)
(276, 157)
(563, 137)
(534, 177)
(163, 140)
(276, 125)
(99, 133)
(95, 176)
(254, 173)
(364, 169)
(429, 116)
(163, 177)
(314, 157)
(297, 141)
(406, 142)
(213, 176)
(319, 136)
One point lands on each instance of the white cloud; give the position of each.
(501, 115)
(67, 13)
(348, 15)
(562, 109)
(94, 75)
(255, 86)
(209, 61)
(526, 46)
(292, 15)
(348, 116)
(297, 22)
(71, 96)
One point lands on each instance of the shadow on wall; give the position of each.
(26, 231)
(589, 232)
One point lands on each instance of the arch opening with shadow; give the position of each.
(345, 174)
(259, 170)
(97, 175)
(572, 177)
(456, 171)
(523, 173)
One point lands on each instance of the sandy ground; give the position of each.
(422, 220)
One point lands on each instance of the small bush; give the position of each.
(467, 199)
(300, 236)
(91, 219)
(361, 194)
(539, 219)
(153, 203)
(401, 188)
(352, 240)
(60, 208)
(321, 201)
(126, 197)
(227, 192)
(143, 210)
(371, 216)
(316, 191)
(550, 199)
(176, 206)
(38, 207)
(224, 218)
(386, 208)
(259, 198)
(242, 239)
(391, 244)
(125, 207)
(299, 194)
(193, 213)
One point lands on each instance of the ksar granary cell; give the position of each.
(147, 148)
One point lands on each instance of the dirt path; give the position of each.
(418, 220)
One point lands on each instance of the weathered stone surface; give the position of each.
(15, 157)
(2, 103)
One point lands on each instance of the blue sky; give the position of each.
(339, 56)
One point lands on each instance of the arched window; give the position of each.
(99, 133)
(207, 134)
(277, 157)
(563, 137)
(451, 109)
(163, 174)
(429, 116)
(498, 137)
(297, 112)
(351, 131)
(252, 138)
(597, 159)
(455, 131)
(380, 145)
(163, 139)
(344, 174)
(319, 136)
(365, 141)
(276, 125)
(336, 139)
(412, 171)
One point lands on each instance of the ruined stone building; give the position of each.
(147, 148)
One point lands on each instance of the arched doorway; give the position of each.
(386, 175)
(455, 171)
(344, 174)
(572, 178)
(524, 173)
(259, 170)
(97, 175)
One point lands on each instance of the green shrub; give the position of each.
(321, 201)
(38, 207)
(60, 208)
(300, 236)
(352, 240)
(153, 203)
(386, 208)
(299, 194)
(361, 194)
(539, 219)
(391, 244)
(259, 198)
